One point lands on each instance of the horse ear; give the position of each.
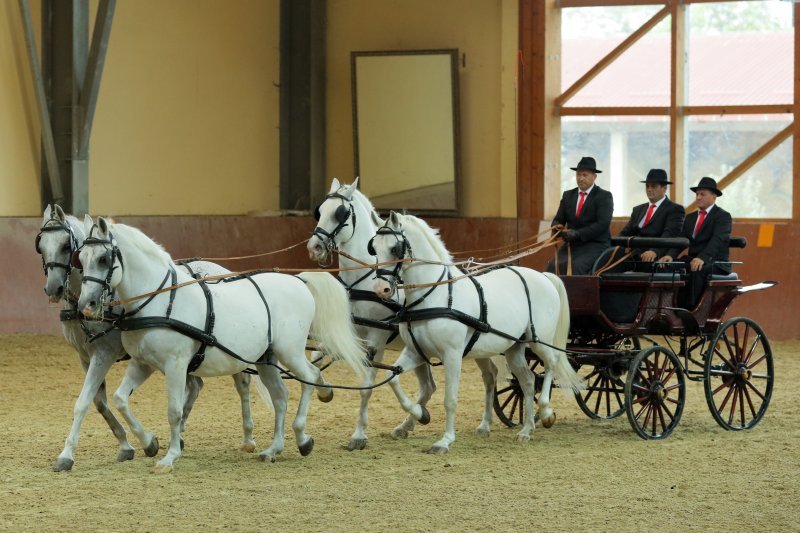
(102, 225)
(376, 219)
(47, 211)
(60, 213)
(394, 218)
(335, 185)
(87, 223)
(355, 183)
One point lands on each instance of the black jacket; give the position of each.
(711, 243)
(595, 220)
(666, 222)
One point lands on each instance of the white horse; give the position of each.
(256, 318)
(99, 346)
(521, 307)
(346, 222)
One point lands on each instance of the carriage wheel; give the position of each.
(655, 393)
(604, 395)
(509, 401)
(739, 374)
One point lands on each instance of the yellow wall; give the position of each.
(188, 112)
(187, 116)
(476, 28)
(19, 123)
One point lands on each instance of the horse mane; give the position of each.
(431, 236)
(362, 199)
(145, 244)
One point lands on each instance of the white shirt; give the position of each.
(658, 204)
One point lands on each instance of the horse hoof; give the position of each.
(523, 438)
(182, 444)
(63, 464)
(162, 469)
(267, 457)
(482, 432)
(248, 447)
(549, 421)
(306, 447)
(125, 455)
(437, 450)
(426, 416)
(399, 433)
(325, 399)
(152, 448)
(356, 444)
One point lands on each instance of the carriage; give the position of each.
(635, 349)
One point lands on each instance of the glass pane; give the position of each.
(639, 77)
(764, 191)
(741, 53)
(718, 144)
(625, 149)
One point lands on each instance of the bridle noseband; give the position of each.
(73, 243)
(342, 214)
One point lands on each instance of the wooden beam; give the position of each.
(771, 109)
(796, 130)
(611, 56)
(608, 3)
(610, 111)
(94, 71)
(48, 142)
(754, 158)
(678, 93)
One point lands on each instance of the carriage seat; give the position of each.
(733, 276)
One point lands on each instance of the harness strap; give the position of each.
(199, 357)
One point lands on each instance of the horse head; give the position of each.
(101, 261)
(337, 218)
(56, 241)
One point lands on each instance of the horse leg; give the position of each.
(515, 357)
(194, 384)
(427, 386)
(175, 373)
(408, 360)
(303, 369)
(271, 379)
(242, 383)
(452, 378)
(136, 374)
(547, 416)
(489, 375)
(93, 388)
(358, 440)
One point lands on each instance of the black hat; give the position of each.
(657, 175)
(587, 163)
(707, 183)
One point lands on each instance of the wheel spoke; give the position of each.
(749, 401)
(756, 362)
(661, 419)
(505, 390)
(729, 364)
(730, 350)
(727, 396)
(756, 342)
(736, 344)
(511, 397)
(608, 398)
(755, 390)
(513, 408)
(733, 404)
(742, 346)
(741, 404)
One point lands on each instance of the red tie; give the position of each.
(700, 218)
(580, 204)
(649, 214)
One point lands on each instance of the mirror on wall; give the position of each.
(405, 129)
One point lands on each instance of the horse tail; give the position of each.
(263, 392)
(563, 371)
(333, 325)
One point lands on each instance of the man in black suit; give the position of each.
(708, 230)
(659, 217)
(585, 213)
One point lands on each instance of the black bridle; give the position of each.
(342, 214)
(399, 250)
(112, 253)
(51, 225)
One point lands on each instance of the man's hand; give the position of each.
(649, 256)
(570, 235)
(696, 264)
(665, 259)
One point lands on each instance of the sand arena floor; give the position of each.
(580, 475)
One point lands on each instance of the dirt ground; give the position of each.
(579, 475)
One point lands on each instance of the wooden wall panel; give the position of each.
(24, 307)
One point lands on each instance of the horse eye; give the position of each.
(102, 261)
(66, 247)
